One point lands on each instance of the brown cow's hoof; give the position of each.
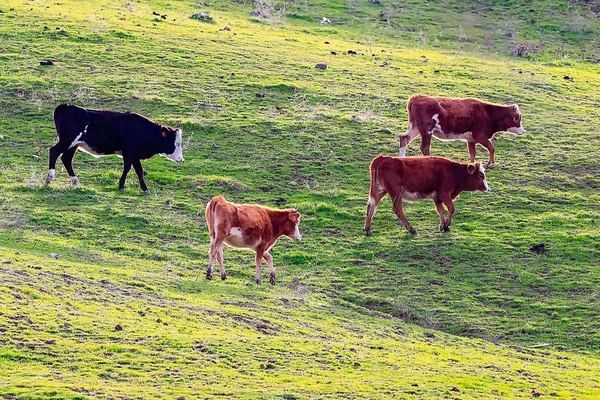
(209, 275)
(368, 232)
(272, 279)
(444, 228)
(489, 165)
(223, 277)
(413, 232)
(258, 281)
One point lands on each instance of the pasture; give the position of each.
(118, 311)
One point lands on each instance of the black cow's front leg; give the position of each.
(126, 168)
(137, 165)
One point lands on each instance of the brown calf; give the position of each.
(418, 178)
(472, 120)
(250, 227)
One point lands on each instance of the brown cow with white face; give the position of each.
(418, 178)
(471, 120)
(251, 227)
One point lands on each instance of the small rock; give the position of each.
(321, 66)
(109, 49)
(538, 248)
(181, 398)
(414, 385)
(280, 201)
(55, 255)
(436, 71)
(535, 393)
(420, 72)
(260, 95)
(356, 364)
(155, 13)
(352, 52)
(47, 62)
(215, 146)
(164, 16)
(200, 183)
(1, 137)
(50, 341)
(325, 20)
(355, 118)
(228, 29)
(386, 130)
(567, 77)
(292, 183)
(455, 389)
(326, 42)
(334, 53)
(118, 327)
(429, 335)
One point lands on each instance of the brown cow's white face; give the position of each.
(477, 180)
(291, 226)
(516, 125)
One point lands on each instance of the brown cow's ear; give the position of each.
(295, 216)
(471, 168)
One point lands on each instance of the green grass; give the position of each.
(351, 316)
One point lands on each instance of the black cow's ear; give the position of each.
(164, 131)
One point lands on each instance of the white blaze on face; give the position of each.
(296, 235)
(519, 130)
(487, 188)
(177, 155)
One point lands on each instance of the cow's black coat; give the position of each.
(130, 135)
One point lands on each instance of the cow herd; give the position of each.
(134, 138)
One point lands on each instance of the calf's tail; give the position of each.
(210, 215)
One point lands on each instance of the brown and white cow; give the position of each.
(418, 178)
(250, 227)
(472, 120)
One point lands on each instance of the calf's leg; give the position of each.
(374, 200)
(137, 166)
(126, 168)
(67, 160)
(397, 207)
(450, 206)
(406, 138)
(259, 256)
(273, 273)
(490, 148)
(472, 150)
(439, 205)
(213, 254)
(221, 266)
(426, 144)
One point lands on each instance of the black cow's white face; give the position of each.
(175, 142)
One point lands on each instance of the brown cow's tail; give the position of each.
(374, 176)
(210, 215)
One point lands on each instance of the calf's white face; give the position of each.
(177, 154)
(291, 230)
(517, 119)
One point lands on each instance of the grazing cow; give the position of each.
(250, 227)
(472, 120)
(100, 133)
(418, 178)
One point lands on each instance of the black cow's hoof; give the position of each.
(146, 192)
(368, 232)
(272, 279)
(122, 190)
(223, 277)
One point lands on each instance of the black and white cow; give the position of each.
(99, 133)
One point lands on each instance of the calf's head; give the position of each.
(290, 225)
(171, 144)
(476, 178)
(513, 122)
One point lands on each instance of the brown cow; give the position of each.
(472, 120)
(418, 178)
(250, 227)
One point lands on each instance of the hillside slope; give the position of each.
(471, 313)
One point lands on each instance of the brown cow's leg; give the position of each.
(273, 274)
(490, 147)
(450, 206)
(440, 209)
(472, 150)
(259, 256)
(397, 207)
(406, 138)
(220, 260)
(374, 199)
(426, 144)
(213, 254)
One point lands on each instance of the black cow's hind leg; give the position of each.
(126, 168)
(67, 159)
(54, 153)
(137, 165)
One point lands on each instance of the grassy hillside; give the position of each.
(467, 314)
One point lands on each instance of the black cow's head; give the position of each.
(171, 146)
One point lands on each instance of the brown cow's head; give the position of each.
(513, 122)
(476, 178)
(290, 225)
